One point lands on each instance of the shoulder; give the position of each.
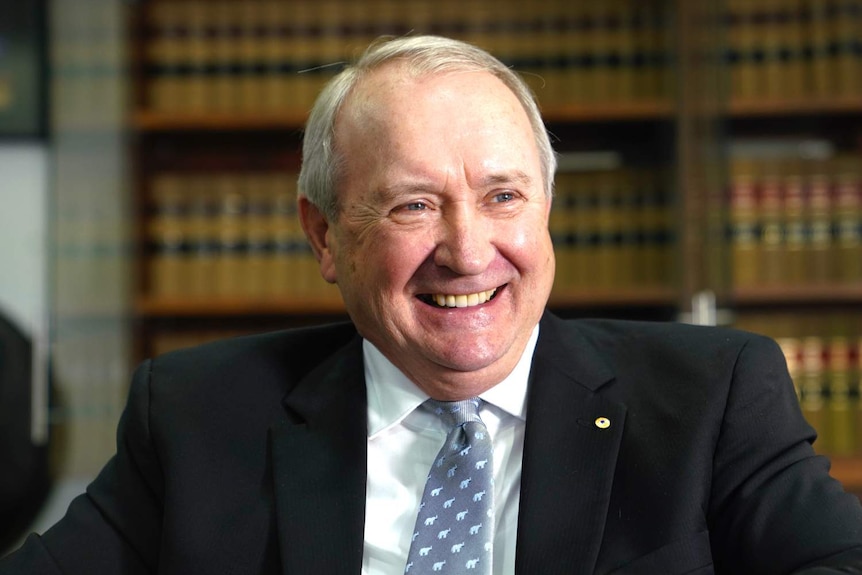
(641, 347)
(311, 344)
(657, 334)
(275, 359)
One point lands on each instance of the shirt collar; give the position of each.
(392, 396)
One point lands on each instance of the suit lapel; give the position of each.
(319, 465)
(569, 456)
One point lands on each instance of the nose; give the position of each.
(465, 243)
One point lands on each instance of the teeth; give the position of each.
(463, 300)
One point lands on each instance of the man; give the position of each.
(617, 447)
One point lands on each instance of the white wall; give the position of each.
(24, 226)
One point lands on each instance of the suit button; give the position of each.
(603, 422)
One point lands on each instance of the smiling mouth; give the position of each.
(460, 300)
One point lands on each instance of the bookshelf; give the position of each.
(793, 125)
(710, 147)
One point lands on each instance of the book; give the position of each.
(166, 238)
(819, 254)
(744, 233)
(848, 222)
(841, 398)
(770, 240)
(812, 391)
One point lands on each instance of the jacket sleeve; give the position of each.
(113, 528)
(774, 508)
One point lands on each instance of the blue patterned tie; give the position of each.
(455, 526)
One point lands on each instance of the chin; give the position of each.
(469, 361)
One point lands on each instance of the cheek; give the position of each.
(532, 241)
(392, 259)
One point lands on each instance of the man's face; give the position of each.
(441, 248)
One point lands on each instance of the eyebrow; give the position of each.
(411, 187)
(509, 177)
(396, 190)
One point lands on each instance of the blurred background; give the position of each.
(710, 172)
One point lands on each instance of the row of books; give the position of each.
(794, 49)
(273, 56)
(796, 221)
(229, 235)
(613, 229)
(823, 357)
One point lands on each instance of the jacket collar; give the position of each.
(570, 454)
(319, 466)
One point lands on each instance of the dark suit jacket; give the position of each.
(249, 456)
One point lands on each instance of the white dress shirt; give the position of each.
(402, 444)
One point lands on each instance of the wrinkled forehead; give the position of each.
(377, 97)
(384, 98)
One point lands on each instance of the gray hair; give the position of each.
(424, 55)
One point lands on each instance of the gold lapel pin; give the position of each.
(603, 422)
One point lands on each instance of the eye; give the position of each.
(502, 197)
(414, 207)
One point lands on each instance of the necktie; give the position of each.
(455, 525)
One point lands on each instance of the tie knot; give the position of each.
(455, 413)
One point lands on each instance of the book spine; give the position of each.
(771, 227)
(845, 35)
(275, 56)
(203, 237)
(582, 233)
(771, 20)
(743, 39)
(841, 412)
(560, 228)
(848, 223)
(627, 237)
(822, 77)
(792, 50)
(796, 229)
(165, 54)
(820, 247)
(812, 391)
(282, 269)
(199, 72)
(229, 223)
(167, 241)
(258, 238)
(744, 227)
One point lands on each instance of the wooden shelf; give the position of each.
(848, 470)
(800, 107)
(643, 297)
(146, 121)
(799, 294)
(231, 307)
(623, 112)
(149, 121)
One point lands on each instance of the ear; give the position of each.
(317, 231)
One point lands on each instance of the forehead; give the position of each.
(396, 110)
(397, 91)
